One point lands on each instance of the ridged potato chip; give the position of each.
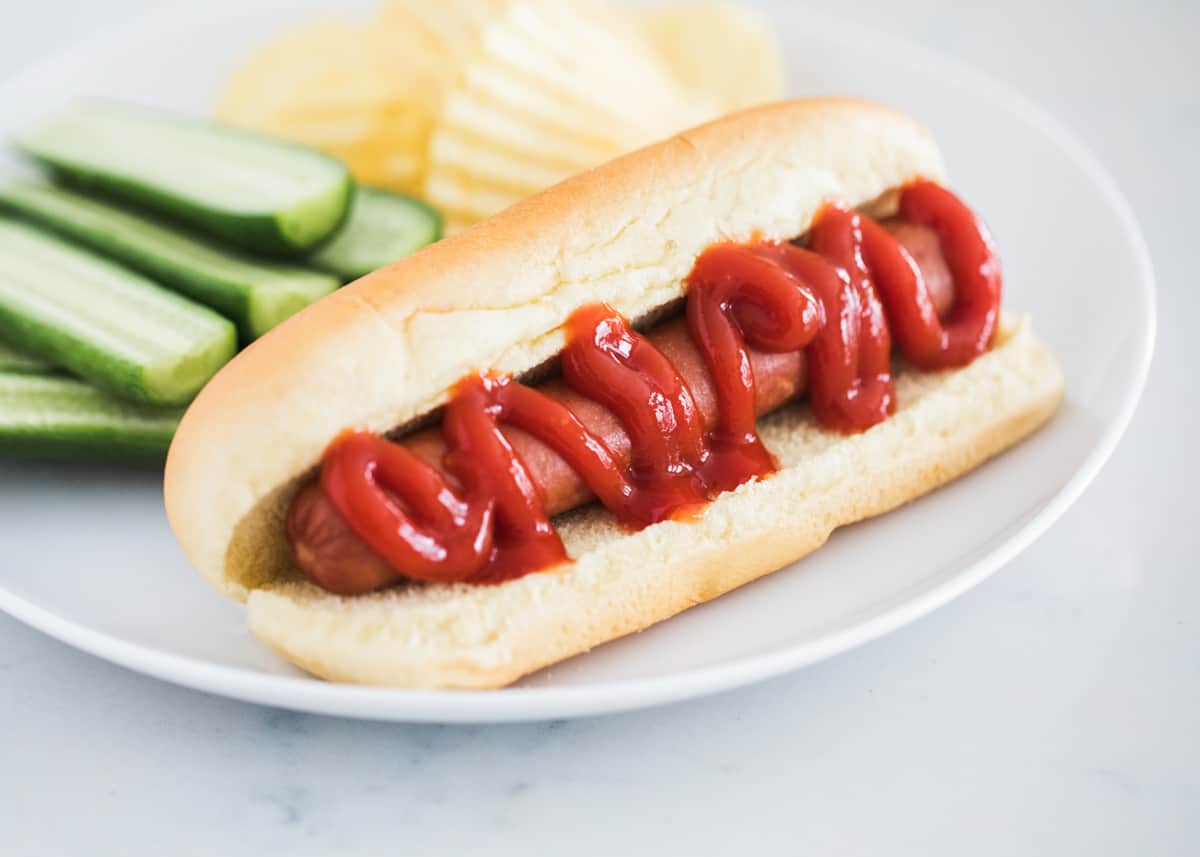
(477, 103)
(724, 50)
(553, 89)
(339, 86)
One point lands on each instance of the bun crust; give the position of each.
(388, 348)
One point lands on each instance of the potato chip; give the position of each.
(478, 103)
(590, 67)
(333, 85)
(554, 88)
(455, 153)
(465, 201)
(512, 129)
(718, 48)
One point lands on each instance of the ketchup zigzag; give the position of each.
(842, 299)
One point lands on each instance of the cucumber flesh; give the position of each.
(15, 360)
(382, 227)
(58, 417)
(256, 294)
(105, 323)
(268, 195)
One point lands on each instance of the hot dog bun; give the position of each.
(387, 349)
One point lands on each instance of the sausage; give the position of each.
(332, 555)
(327, 551)
(923, 245)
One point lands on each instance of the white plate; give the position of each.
(87, 556)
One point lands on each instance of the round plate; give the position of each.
(88, 557)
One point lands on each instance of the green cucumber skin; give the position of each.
(226, 280)
(366, 242)
(13, 360)
(62, 418)
(286, 234)
(258, 233)
(122, 377)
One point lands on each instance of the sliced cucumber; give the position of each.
(57, 417)
(15, 360)
(105, 323)
(258, 192)
(382, 227)
(256, 294)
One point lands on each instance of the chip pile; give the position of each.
(474, 104)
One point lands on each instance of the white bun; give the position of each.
(387, 349)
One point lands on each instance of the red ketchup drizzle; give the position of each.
(843, 298)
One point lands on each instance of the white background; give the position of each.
(1053, 710)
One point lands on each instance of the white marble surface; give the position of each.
(1053, 710)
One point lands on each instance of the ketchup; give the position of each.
(842, 298)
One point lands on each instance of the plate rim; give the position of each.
(304, 693)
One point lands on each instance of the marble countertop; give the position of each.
(1053, 710)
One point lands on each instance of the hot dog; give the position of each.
(331, 555)
(798, 243)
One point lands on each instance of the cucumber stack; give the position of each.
(256, 294)
(117, 329)
(163, 243)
